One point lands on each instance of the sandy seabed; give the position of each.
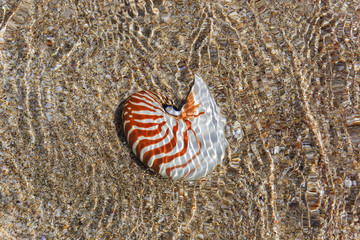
(286, 75)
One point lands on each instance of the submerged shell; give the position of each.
(183, 145)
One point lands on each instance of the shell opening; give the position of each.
(172, 111)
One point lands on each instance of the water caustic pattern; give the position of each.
(285, 75)
(184, 145)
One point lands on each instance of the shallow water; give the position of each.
(285, 74)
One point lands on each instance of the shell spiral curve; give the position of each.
(184, 144)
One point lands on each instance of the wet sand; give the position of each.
(286, 75)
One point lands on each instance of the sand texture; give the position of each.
(286, 75)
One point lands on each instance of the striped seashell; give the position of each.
(184, 144)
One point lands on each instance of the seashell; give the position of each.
(184, 144)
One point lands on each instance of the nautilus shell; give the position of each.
(184, 144)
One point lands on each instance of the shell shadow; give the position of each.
(118, 122)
